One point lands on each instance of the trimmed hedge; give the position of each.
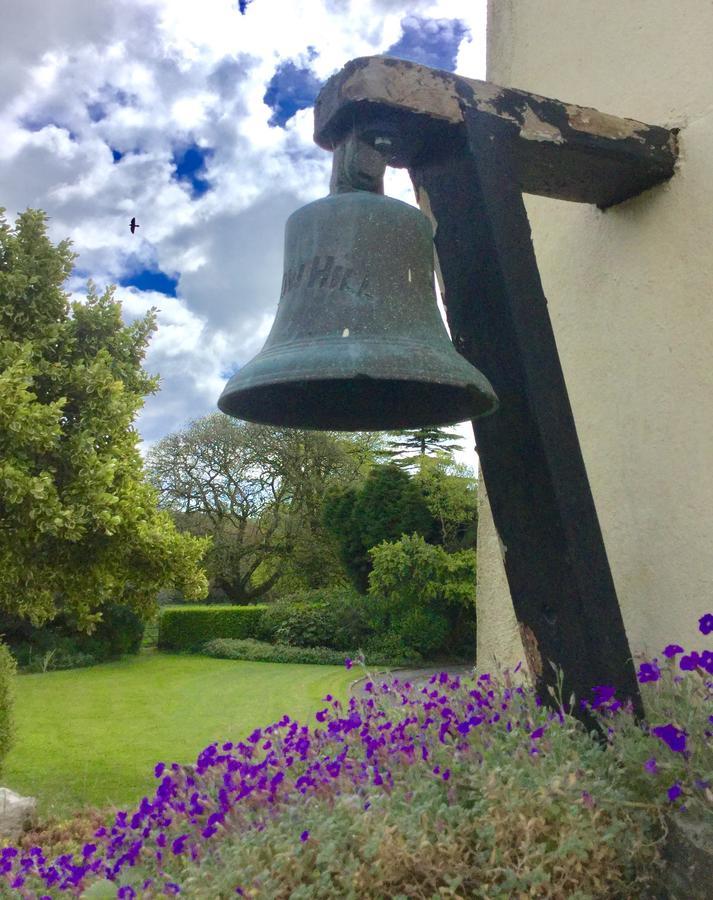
(189, 627)
(258, 651)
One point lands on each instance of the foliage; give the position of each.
(335, 617)
(464, 788)
(450, 492)
(78, 521)
(7, 702)
(257, 490)
(387, 505)
(467, 788)
(188, 627)
(259, 651)
(58, 835)
(424, 595)
(410, 447)
(61, 645)
(669, 756)
(389, 645)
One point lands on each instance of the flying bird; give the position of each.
(133, 226)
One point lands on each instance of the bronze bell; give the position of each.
(358, 343)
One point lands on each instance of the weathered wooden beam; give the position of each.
(562, 150)
(554, 555)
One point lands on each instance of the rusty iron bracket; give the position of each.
(472, 148)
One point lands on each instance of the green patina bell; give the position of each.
(358, 343)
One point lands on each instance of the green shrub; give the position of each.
(120, 630)
(189, 627)
(55, 655)
(425, 595)
(8, 669)
(335, 617)
(424, 630)
(59, 645)
(259, 651)
(390, 645)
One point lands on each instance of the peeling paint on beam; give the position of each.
(563, 150)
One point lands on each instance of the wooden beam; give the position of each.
(561, 150)
(554, 555)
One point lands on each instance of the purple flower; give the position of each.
(672, 736)
(179, 845)
(348, 663)
(691, 662)
(706, 661)
(537, 733)
(650, 765)
(159, 770)
(674, 791)
(705, 623)
(672, 650)
(304, 836)
(126, 893)
(648, 671)
(603, 694)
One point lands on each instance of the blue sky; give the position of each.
(196, 119)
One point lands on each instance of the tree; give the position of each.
(308, 464)
(424, 595)
(407, 447)
(258, 490)
(387, 505)
(79, 523)
(450, 491)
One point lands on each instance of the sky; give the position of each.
(197, 119)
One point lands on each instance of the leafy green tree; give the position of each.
(450, 491)
(408, 447)
(387, 505)
(79, 523)
(424, 595)
(258, 491)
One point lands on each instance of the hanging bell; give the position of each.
(358, 343)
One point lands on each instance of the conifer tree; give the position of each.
(387, 505)
(404, 448)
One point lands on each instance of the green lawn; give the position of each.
(93, 736)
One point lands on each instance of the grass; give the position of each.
(92, 736)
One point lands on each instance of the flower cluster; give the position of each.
(673, 749)
(442, 730)
(245, 784)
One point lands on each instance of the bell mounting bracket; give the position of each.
(472, 148)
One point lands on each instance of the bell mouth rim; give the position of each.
(363, 403)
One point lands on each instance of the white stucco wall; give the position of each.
(630, 294)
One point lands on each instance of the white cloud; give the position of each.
(144, 78)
